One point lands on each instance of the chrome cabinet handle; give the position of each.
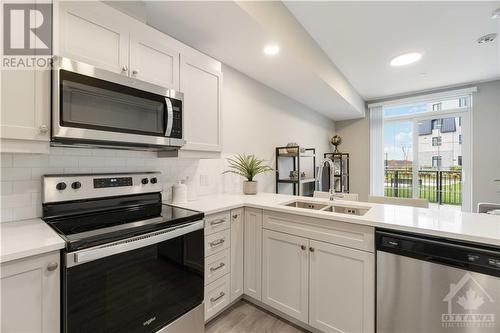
(124, 68)
(217, 242)
(303, 247)
(44, 129)
(213, 269)
(52, 266)
(216, 222)
(311, 249)
(135, 72)
(222, 294)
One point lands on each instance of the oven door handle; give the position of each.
(102, 251)
(170, 117)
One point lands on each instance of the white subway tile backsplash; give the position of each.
(15, 173)
(21, 175)
(6, 160)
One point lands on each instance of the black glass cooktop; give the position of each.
(93, 222)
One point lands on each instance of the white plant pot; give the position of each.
(249, 187)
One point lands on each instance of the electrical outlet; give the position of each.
(204, 180)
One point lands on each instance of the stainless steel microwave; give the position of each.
(95, 107)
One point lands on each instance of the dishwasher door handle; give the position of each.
(445, 261)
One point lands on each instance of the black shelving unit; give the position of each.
(341, 171)
(292, 156)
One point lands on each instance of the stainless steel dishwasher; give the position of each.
(427, 284)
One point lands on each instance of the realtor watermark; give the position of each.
(468, 305)
(27, 35)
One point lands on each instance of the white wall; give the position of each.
(256, 119)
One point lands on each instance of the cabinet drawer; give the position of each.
(217, 242)
(216, 296)
(341, 233)
(217, 222)
(217, 265)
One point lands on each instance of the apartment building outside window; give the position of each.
(437, 106)
(436, 161)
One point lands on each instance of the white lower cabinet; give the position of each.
(342, 288)
(237, 234)
(217, 296)
(30, 290)
(285, 273)
(217, 265)
(252, 273)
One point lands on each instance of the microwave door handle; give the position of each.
(170, 117)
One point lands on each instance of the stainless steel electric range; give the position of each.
(131, 263)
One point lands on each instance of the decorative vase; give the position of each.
(249, 187)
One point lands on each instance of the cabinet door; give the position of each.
(252, 273)
(237, 234)
(285, 270)
(30, 294)
(202, 88)
(93, 33)
(342, 289)
(153, 58)
(25, 104)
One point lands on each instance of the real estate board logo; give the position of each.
(468, 305)
(27, 36)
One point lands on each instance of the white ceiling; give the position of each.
(236, 33)
(362, 37)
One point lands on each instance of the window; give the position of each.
(462, 102)
(460, 139)
(436, 141)
(437, 106)
(460, 160)
(436, 161)
(436, 124)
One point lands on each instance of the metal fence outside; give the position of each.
(442, 187)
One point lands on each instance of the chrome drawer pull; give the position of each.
(216, 222)
(222, 294)
(213, 269)
(217, 242)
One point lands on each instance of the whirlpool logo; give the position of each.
(149, 321)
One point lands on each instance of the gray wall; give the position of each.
(486, 145)
(356, 141)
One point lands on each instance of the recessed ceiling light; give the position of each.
(495, 14)
(406, 59)
(272, 49)
(486, 38)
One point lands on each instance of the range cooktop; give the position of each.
(87, 221)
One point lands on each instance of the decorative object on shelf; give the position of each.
(340, 172)
(292, 148)
(296, 165)
(336, 141)
(247, 166)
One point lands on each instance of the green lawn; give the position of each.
(451, 194)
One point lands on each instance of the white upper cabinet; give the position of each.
(342, 289)
(285, 276)
(93, 33)
(202, 88)
(153, 58)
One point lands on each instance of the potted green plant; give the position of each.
(247, 166)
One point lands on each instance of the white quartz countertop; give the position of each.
(21, 239)
(479, 228)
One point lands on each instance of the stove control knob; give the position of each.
(61, 186)
(154, 180)
(76, 185)
(144, 181)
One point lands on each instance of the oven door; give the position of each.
(139, 284)
(96, 106)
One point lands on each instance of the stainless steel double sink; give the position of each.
(328, 207)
